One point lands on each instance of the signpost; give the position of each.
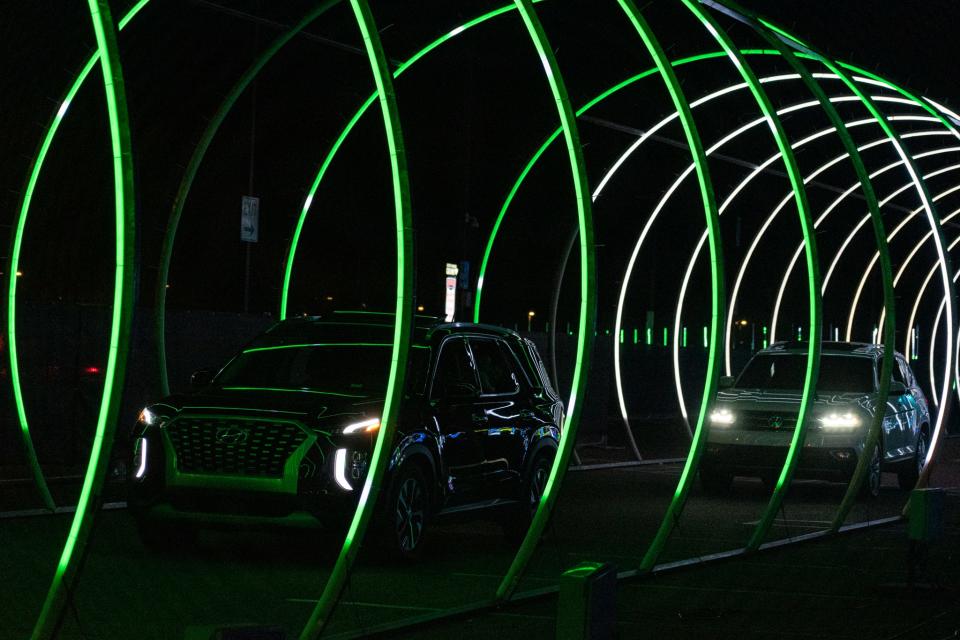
(249, 233)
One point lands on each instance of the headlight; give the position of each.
(722, 417)
(364, 426)
(846, 420)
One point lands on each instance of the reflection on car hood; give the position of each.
(295, 403)
(784, 400)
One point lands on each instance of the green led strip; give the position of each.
(718, 297)
(933, 220)
(813, 269)
(55, 604)
(345, 133)
(880, 235)
(186, 182)
(403, 325)
(19, 228)
(588, 298)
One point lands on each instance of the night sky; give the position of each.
(473, 113)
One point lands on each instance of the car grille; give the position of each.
(766, 421)
(234, 446)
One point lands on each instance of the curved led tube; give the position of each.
(345, 133)
(712, 219)
(186, 181)
(19, 226)
(866, 275)
(696, 253)
(813, 268)
(588, 298)
(403, 323)
(54, 606)
(883, 249)
(932, 221)
(789, 271)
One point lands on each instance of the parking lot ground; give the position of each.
(847, 586)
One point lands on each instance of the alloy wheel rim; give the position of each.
(409, 514)
(921, 453)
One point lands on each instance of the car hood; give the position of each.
(787, 401)
(319, 409)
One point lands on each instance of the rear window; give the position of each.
(786, 371)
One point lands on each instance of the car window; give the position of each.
(323, 367)
(838, 373)
(454, 367)
(494, 368)
(899, 372)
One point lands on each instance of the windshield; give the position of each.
(342, 368)
(786, 371)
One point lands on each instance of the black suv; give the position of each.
(283, 434)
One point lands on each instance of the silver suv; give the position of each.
(753, 418)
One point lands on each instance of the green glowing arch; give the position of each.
(712, 215)
(403, 322)
(19, 228)
(193, 165)
(66, 572)
(588, 299)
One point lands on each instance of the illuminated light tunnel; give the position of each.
(723, 308)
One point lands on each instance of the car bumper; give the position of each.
(820, 463)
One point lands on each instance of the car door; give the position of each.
(899, 411)
(454, 390)
(501, 413)
(911, 408)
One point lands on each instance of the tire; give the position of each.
(871, 483)
(159, 535)
(518, 520)
(406, 514)
(908, 476)
(714, 481)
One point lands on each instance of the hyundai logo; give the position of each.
(231, 435)
(775, 422)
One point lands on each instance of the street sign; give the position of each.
(249, 219)
(450, 285)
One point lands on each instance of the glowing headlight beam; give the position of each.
(588, 293)
(67, 569)
(369, 425)
(402, 329)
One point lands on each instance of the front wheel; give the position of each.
(520, 518)
(907, 477)
(871, 484)
(406, 514)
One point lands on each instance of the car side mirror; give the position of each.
(460, 390)
(726, 382)
(897, 388)
(201, 378)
